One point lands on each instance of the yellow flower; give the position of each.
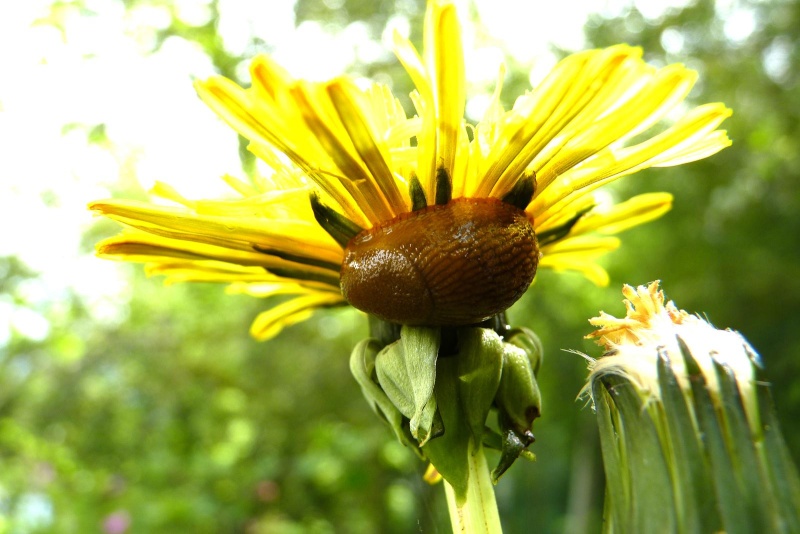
(346, 158)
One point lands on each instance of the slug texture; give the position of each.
(453, 264)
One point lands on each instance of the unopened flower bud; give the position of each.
(518, 397)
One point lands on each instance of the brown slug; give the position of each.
(454, 264)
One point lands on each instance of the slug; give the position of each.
(454, 264)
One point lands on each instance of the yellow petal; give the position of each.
(579, 86)
(424, 103)
(238, 233)
(206, 271)
(633, 212)
(143, 247)
(668, 86)
(266, 124)
(269, 323)
(275, 286)
(695, 127)
(586, 267)
(585, 245)
(344, 95)
(447, 62)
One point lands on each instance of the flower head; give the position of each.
(689, 436)
(654, 328)
(346, 161)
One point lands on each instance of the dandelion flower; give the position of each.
(421, 219)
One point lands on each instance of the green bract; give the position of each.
(689, 437)
(436, 388)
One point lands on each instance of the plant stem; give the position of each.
(478, 514)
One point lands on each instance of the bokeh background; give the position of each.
(127, 406)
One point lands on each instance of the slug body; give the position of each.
(454, 264)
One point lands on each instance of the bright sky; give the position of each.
(98, 71)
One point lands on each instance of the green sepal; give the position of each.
(758, 494)
(448, 452)
(696, 508)
(339, 227)
(384, 331)
(647, 490)
(522, 192)
(303, 260)
(494, 441)
(512, 446)
(444, 187)
(480, 365)
(518, 397)
(777, 460)
(528, 341)
(466, 384)
(417, 194)
(615, 462)
(729, 495)
(362, 366)
(406, 371)
(559, 232)
(325, 277)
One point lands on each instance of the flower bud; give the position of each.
(689, 438)
(518, 397)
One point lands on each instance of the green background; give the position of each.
(177, 421)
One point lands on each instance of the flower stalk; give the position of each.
(478, 513)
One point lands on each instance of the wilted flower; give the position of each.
(689, 437)
(653, 329)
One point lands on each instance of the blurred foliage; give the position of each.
(179, 421)
(175, 420)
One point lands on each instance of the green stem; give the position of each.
(478, 513)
